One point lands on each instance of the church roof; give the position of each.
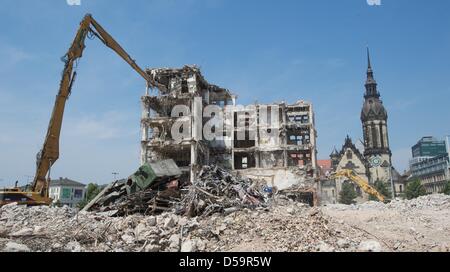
(349, 144)
(373, 109)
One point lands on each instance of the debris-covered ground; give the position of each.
(421, 224)
(417, 225)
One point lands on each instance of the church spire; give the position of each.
(371, 84)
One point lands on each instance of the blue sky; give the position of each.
(262, 50)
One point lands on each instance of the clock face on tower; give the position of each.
(375, 161)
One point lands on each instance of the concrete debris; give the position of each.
(279, 224)
(420, 224)
(260, 229)
(23, 232)
(15, 247)
(438, 201)
(152, 189)
(370, 246)
(216, 190)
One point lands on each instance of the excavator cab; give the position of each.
(16, 195)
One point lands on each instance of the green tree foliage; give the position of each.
(415, 189)
(91, 192)
(447, 188)
(348, 194)
(382, 188)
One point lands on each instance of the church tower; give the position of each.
(374, 121)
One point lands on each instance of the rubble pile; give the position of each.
(437, 201)
(152, 189)
(64, 229)
(291, 227)
(216, 190)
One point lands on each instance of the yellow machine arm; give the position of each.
(50, 151)
(363, 184)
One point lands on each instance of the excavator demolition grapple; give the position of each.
(38, 193)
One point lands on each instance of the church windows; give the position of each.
(374, 137)
(349, 155)
(381, 136)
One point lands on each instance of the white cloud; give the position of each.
(111, 125)
(11, 55)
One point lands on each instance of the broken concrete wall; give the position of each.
(173, 121)
(279, 178)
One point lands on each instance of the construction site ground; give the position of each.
(421, 224)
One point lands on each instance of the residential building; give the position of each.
(324, 168)
(67, 192)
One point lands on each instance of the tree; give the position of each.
(383, 189)
(348, 194)
(91, 192)
(415, 189)
(447, 188)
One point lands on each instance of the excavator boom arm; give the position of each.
(364, 185)
(50, 150)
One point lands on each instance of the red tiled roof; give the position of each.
(324, 164)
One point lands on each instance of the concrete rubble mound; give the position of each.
(153, 188)
(216, 190)
(288, 227)
(279, 225)
(438, 201)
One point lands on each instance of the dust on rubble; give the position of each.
(417, 225)
(289, 226)
(421, 224)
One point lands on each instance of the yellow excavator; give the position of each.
(39, 191)
(362, 183)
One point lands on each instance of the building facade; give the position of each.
(429, 147)
(196, 123)
(290, 141)
(67, 192)
(172, 119)
(374, 119)
(430, 163)
(350, 158)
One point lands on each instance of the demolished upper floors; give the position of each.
(196, 123)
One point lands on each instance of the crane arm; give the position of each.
(363, 184)
(50, 150)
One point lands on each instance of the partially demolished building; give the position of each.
(178, 109)
(252, 140)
